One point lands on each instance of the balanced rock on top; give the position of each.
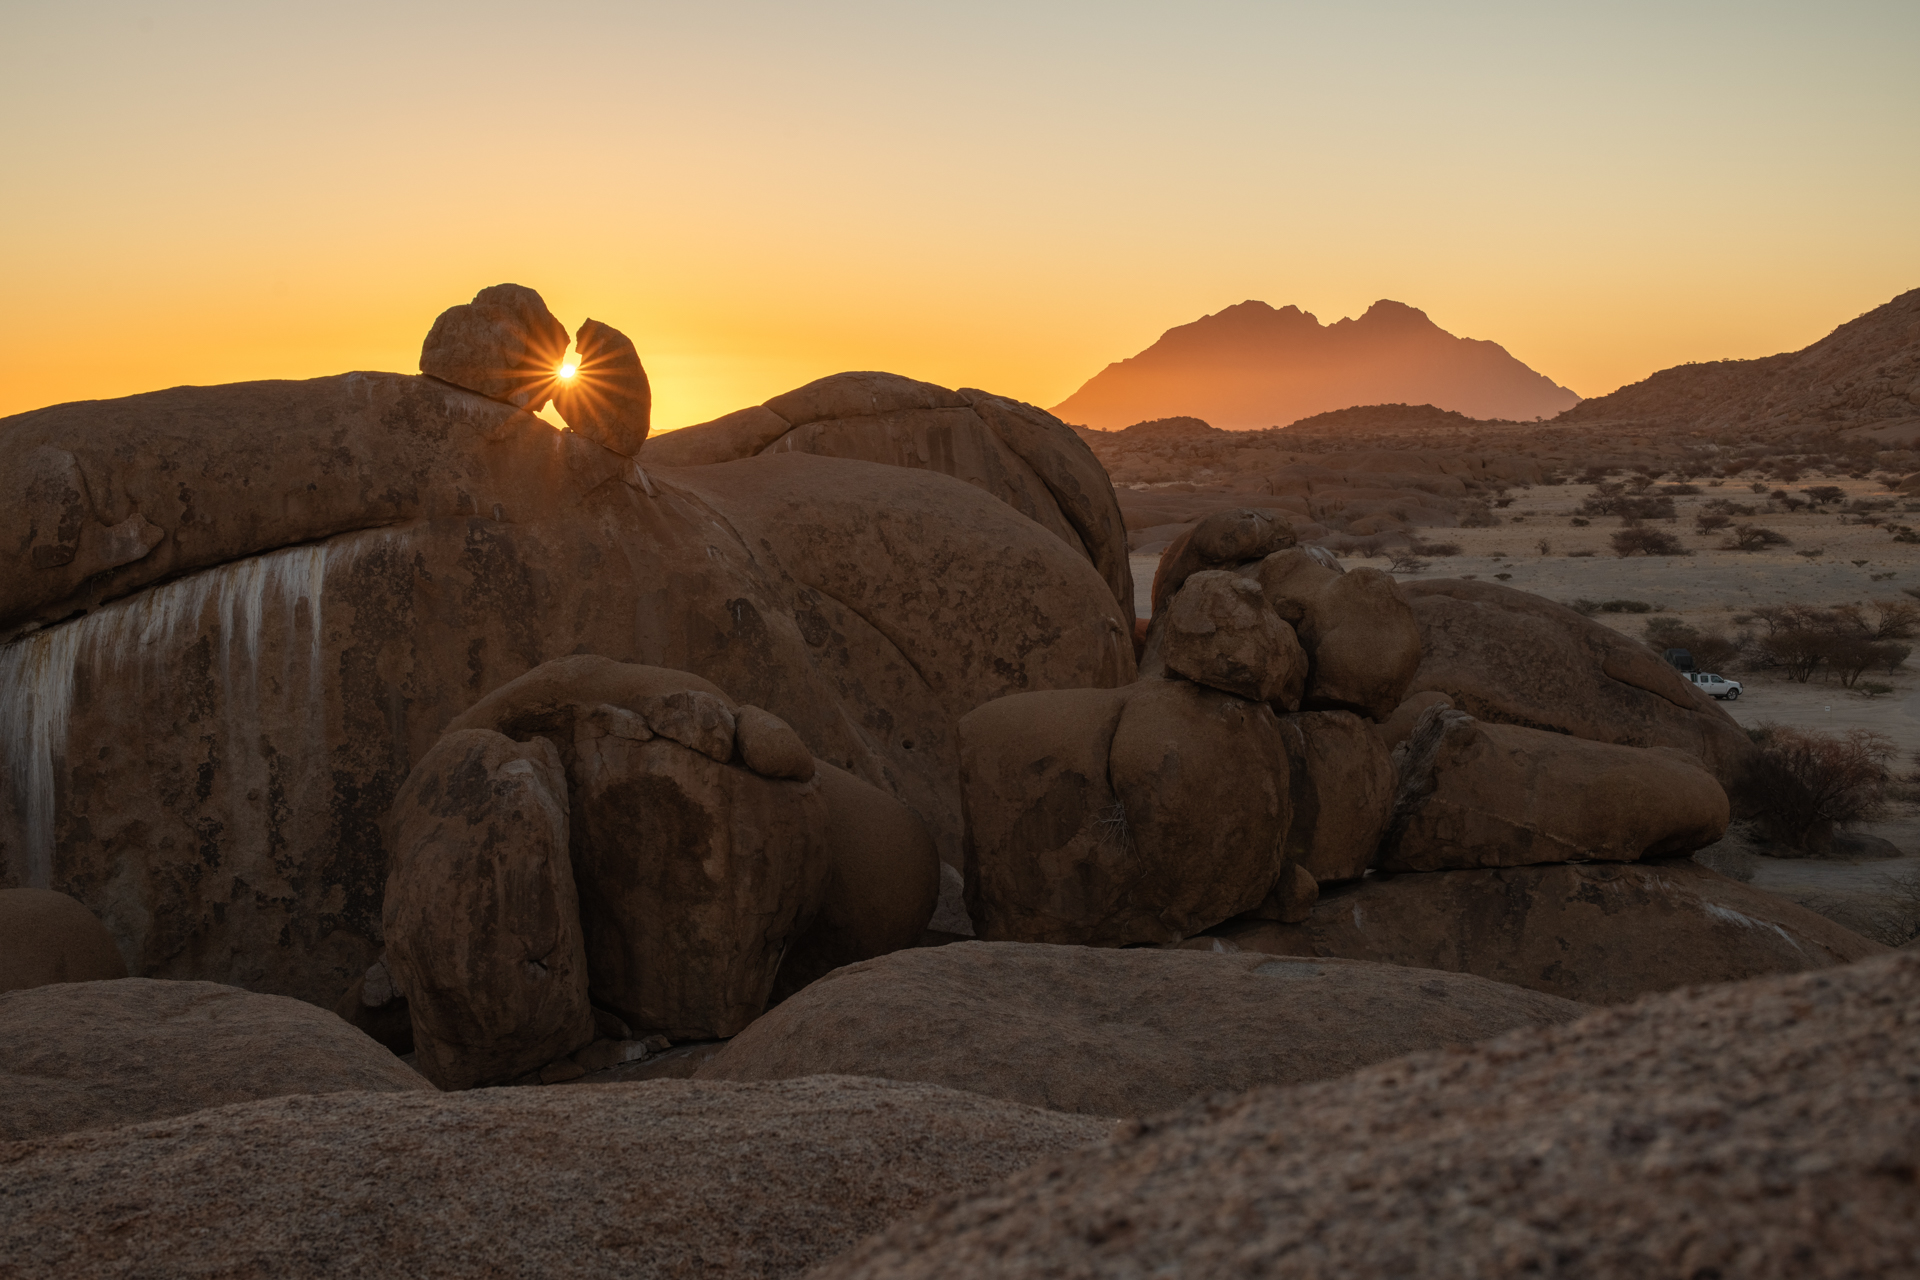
(1220, 633)
(504, 344)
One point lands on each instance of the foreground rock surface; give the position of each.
(1118, 1033)
(1600, 934)
(49, 937)
(668, 1178)
(94, 1055)
(1765, 1129)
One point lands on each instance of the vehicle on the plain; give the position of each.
(1717, 686)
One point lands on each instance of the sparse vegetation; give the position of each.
(1751, 537)
(1811, 782)
(1647, 542)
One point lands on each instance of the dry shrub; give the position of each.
(1809, 782)
(1646, 542)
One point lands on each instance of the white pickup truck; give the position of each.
(1717, 686)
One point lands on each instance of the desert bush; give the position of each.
(1757, 487)
(1648, 542)
(1751, 537)
(1809, 782)
(1404, 561)
(1476, 515)
(1711, 650)
(1825, 495)
(1712, 521)
(1437, 549)
(1679, 490)
(1623, 606)
(1580, 523)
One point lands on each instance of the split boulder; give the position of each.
(608, 399)
(482, 918)
(505, 345)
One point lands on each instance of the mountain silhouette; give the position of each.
(1866, 371)
(1252, 366)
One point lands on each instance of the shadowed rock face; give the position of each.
(205, 757)
(47, 937)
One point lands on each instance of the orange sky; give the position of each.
(998, 195)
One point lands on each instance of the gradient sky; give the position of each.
(998, 195)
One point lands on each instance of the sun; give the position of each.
(568, 369)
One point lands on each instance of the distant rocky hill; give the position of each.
(1865, 373)
(1252, 366)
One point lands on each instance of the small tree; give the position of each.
(1406, 562)
(1647, 542)
(1751, 537)
(1810, 782)
(1712, 521)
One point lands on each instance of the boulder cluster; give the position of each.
(813, 798)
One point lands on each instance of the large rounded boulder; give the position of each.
(98, 1055)
(1118, 1032)
(482, 919)
(1022, 455)
(1509, 657)
(1108, 817)
(1496, 795)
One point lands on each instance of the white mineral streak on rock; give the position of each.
(140, 634)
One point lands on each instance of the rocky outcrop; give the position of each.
(1109, 817)
(345, 565)
(482, 919)
(1341, 785)
(1022, 455)
(1220, 633)
(49, 937)
(1758, 1129)
(1497, 795)
(1596, 933)
(664, 1179)
(505, 345)
(608, 399)
(1513, 658)
(1117, 1032)
(97, 1055)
